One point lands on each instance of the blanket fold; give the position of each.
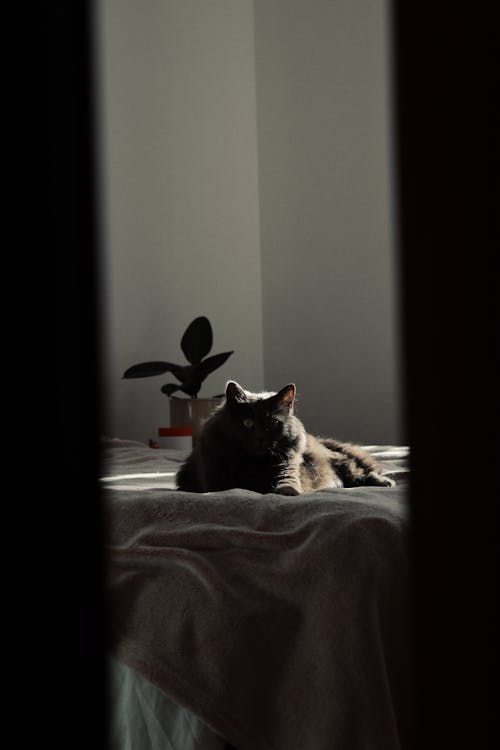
(282, 622)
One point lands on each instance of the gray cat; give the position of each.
(254, 441)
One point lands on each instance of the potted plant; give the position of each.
(196, 343)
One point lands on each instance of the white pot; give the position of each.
(192, 412)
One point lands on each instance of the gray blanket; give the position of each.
(282, 622)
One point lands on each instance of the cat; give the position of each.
(255, 442)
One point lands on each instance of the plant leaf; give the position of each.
(169, 388)
(191, 388)
(210, 364)
(197, 340)
(146, 369)
(181, 372)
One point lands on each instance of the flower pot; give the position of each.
(192, 412)
(175, 438)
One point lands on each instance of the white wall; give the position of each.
(329, 291)
(197, 208)
(179, 181)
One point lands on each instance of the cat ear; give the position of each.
(286, 396)
(234, 392)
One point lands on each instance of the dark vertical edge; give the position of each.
(72, 306)
(445, 76)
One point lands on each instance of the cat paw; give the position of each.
(379, 480)
(286, 489)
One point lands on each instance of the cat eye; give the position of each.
(248, 423)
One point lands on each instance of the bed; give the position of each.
(258, 622)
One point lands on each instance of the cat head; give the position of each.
(260, 421)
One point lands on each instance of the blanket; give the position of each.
(282, 622)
